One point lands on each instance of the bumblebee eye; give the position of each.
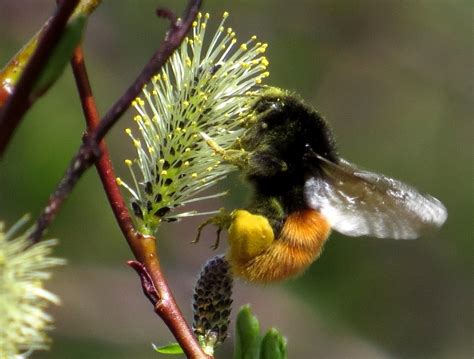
(265, 105)
(262, 106)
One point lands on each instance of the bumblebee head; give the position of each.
(284, 137)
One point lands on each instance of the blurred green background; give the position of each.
(395, 81)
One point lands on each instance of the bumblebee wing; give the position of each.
(358, 202)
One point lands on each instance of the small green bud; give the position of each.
(247, 331)
(273, 346)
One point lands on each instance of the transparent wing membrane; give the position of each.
(358, 202)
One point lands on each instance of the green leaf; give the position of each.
(13, 70)
(171, 348)
(61, 55)
(273, 346)
(247, 331)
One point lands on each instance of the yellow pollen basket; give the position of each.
(249, 235)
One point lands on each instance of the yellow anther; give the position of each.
(128, 162)
(164, 172)
(243, 47)
(186, 164)
(195, 23)
(119, 181)
(161, 160)
(185, 104)
(253, 38)
(128, 131)
(225, 15)
(194, 175)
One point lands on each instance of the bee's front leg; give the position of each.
(239, 158)
(260, 162)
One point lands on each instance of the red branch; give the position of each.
(144, 248)
(19, 101)
(94, 150)
(89, 151)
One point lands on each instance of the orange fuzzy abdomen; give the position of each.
(300, 243)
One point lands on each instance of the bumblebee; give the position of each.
(302, 190)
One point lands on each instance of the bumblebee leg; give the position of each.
(221, 221)
(238, 158)
(200, 228)
(216, 243)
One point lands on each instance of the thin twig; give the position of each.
(19, 101)
(153, 282)
(162, 308)
(173, 39)
(89, 151)
(143, 247)
(103, 164)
